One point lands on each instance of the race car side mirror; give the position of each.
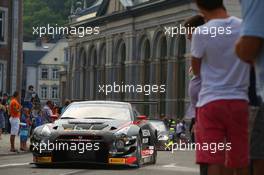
(142, 117)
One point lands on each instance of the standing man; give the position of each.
(30, 94)
(195, 81)
(15, 108)
(2, 118)
(250, 48)
(222, 117)
(47, 112)
(66, 104)
(5, 102)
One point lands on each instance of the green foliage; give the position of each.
(39, 13)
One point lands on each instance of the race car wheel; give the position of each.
(138, 152)
(154, 157)
(42, 166)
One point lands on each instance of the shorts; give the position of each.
(14, 122)
(223, 122)
(23, 134)
(257, 136)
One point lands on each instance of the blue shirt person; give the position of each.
(24, 127)
(250, 48)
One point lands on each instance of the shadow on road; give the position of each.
(84, 166)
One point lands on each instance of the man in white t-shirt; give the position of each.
(222, 117)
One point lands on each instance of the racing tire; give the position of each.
(139, 162)
(42, 165)
(154, 157)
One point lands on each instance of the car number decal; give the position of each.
(145, 133)
(145, 140)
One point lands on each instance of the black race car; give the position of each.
(96, 132)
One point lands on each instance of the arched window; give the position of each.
(118, 73)
(181, 76)
(160, 68)
(82, 73)
(122, 58)
(93, 84)
(94, 66)
(77, 76)
(122, 53)
(163, 71)
(144, 49)
(101, 70)
(163, 47)
(145, 54)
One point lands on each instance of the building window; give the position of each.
(44, 92)
(44, 73)
(3, 25)
(54, 92)
(55, 73)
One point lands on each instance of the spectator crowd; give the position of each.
(20, 116)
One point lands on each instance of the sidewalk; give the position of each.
(5, 146)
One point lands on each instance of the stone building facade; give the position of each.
(11, 45)
(132, 49)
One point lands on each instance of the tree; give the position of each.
(40, 13)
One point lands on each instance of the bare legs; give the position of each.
(12, 142)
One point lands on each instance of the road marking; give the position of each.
(13, 164)
(174, 167)
(73, 172)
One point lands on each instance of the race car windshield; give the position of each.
(84, 111)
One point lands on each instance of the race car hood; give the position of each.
(90, 124)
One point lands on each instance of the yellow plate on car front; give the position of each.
(43, 159)
(117, 161)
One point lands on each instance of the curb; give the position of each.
(14, 154)
(5, 146)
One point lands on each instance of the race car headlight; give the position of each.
(45, 132)
(120, 144)
(163, 137)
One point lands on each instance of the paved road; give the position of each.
(178, 163)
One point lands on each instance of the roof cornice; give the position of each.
(134, 11)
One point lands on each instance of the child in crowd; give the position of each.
(38, 119)
(25, 124)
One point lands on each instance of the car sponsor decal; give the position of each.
(117, 161)
(146, 152)
(145, 140)
(42, 159)
(151, 147)
(145, 133)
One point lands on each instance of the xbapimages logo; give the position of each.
(129, 88)
(211, 147)
(63, 30)
(81, 147)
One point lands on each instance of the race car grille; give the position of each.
(91, 156)
(79, 138)
(88, 126)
